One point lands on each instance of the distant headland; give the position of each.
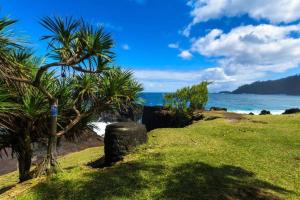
(288, 86)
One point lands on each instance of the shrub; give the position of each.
(188, 99)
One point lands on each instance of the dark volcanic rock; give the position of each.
(121, 138)
(265, 112)
(157, 117)
(218, 109)
(291, 111)
(197, 117)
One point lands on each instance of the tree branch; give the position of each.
(74, 122)
(79, 117)
(80, 69)
(36, 82)
(72, 61)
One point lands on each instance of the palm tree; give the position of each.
(87, 87)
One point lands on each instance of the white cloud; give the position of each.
(170, 80)
(125, 47)
(275, 11)
(243, 55)
(173, 45)
(185, 55)
(249, 49)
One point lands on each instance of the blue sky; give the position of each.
(173, 43)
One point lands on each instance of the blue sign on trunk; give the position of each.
(54, 110)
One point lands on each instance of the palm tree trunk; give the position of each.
(52, 142)
(50, 165)
(24, 157)
(51, 162)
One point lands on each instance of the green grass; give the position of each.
(258, 158)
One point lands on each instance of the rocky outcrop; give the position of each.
(122, 115)
(157, 117)
(218, 109)
(121, 138)
(291, 111)
(265, 112)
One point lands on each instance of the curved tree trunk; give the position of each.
(51, 162)
(50, 165)
(24, 157)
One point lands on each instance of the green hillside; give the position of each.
(250, 157)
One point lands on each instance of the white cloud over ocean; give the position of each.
(262, 48)
(241, 55)
(275, 11)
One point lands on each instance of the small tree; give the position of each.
(188, 99)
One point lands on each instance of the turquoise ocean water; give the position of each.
(240, 103)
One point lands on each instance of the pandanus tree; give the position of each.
(23, 111)
(87, 86)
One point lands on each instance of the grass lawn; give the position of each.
(254, 158)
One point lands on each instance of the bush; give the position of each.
(188, 99)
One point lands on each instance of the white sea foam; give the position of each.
(99, 127)
(256, 112)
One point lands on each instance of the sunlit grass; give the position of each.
(256, 158)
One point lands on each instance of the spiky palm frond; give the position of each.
(119, 87)
(63, 35)
(6, 36)
(72, 38)
(97, 43)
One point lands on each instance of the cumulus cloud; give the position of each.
(262, 48)
(243, 55)
(279, 11)
(185, 55)
(170, 80)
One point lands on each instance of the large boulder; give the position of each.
(218, 109)
(158, 117)
(121, 138)
(291, 111)
(265, 112)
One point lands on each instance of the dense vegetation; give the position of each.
(55, 96)
(286, 86)
(188, 99)
(256, 157)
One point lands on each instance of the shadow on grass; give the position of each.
(4, 189)
(138, 180)
(201, 181)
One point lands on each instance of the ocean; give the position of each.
(239, 103)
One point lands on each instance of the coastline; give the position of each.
(256, 112)
(100, 126)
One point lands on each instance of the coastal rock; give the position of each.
(218, 109)
(265, 112)
(291, 111)
(122, 115)
(157, 117)
(121, 138)
(197, 116)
